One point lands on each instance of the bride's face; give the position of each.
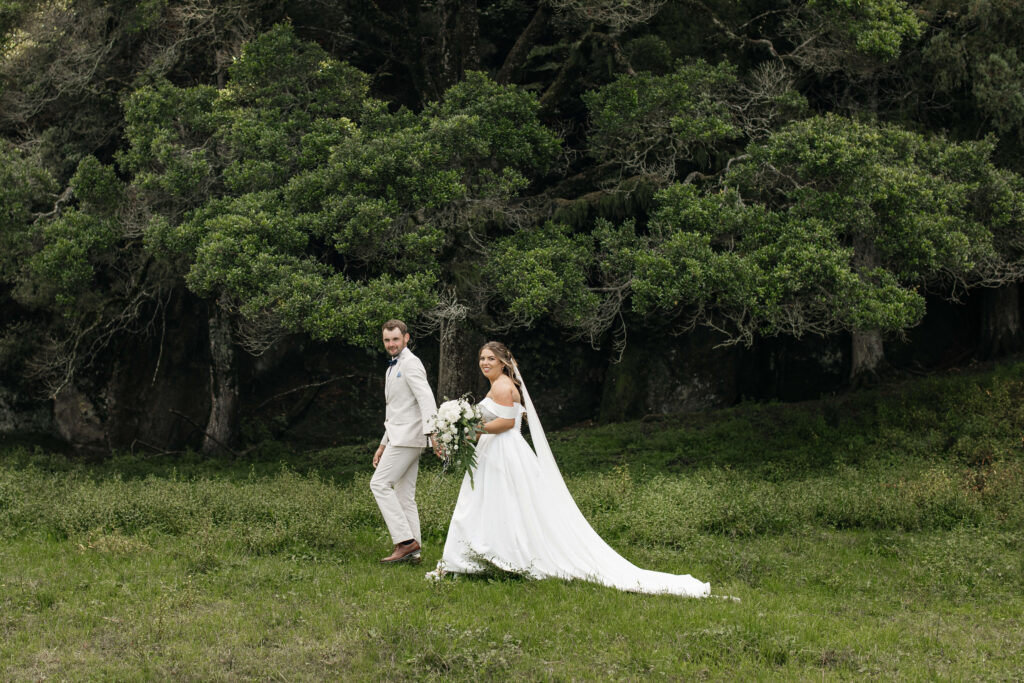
(490, 365)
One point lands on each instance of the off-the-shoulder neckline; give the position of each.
(488, 398)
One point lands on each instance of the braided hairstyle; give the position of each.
(502, 353)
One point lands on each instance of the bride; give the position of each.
(518, 514)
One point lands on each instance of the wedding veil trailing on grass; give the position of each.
(583, 553)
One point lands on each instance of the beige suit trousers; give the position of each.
(394, 486)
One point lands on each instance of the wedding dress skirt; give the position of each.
(519, 516)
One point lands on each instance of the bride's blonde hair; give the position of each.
(502, 353)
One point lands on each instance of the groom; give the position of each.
(410, 405)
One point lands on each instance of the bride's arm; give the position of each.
(498, 425)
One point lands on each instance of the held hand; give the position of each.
(436, 443)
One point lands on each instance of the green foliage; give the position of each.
(297, 197)
(972, 58)
(503, 125)
(544, 271)
(170, 161)
(832, 225)
(650, 123)
(578, 280)
(278, 74)
(77, 246)
(926, 203)
(25, 188)
(1000, 89)
(877, 27)
(64, 270)
(97, 187)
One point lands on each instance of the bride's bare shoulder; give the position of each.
(504, 392)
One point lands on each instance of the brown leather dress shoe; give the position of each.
(404, 553)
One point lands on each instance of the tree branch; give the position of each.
(562, 79)
(516, 57)
(63, 199)
(300, 388)
(743, 40)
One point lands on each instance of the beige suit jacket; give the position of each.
(410, 403)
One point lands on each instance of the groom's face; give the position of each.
(395, 341)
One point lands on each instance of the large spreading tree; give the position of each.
(765, 168)
(833, 225)
(295, 202)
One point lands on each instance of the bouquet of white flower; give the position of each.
(456, 425)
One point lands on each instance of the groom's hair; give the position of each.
(394, 324)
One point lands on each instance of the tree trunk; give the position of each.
(220, 427)
(457, 371)
(867, 357)
(459, 32)
(1000, 322)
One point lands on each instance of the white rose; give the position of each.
(449, 411)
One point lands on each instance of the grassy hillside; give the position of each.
(875, 534)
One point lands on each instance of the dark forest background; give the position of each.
(208, 208)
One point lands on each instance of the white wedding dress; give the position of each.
(519, 516)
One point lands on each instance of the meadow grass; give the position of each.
(874, 535)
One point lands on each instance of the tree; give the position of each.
(64, 66)
(217, 169)
(967, 77)
(26, 192)
(298, 203)
(830, 225)
(278, 190)
(645, 130)
(83, 267)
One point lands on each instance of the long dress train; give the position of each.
(519, 516)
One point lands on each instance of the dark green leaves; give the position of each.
(832, 225)
(298, 198)
(877, 27)
(649, 123)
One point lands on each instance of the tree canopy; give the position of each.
(784, 168)
(828, 225)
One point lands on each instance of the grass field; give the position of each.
(874, 535)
